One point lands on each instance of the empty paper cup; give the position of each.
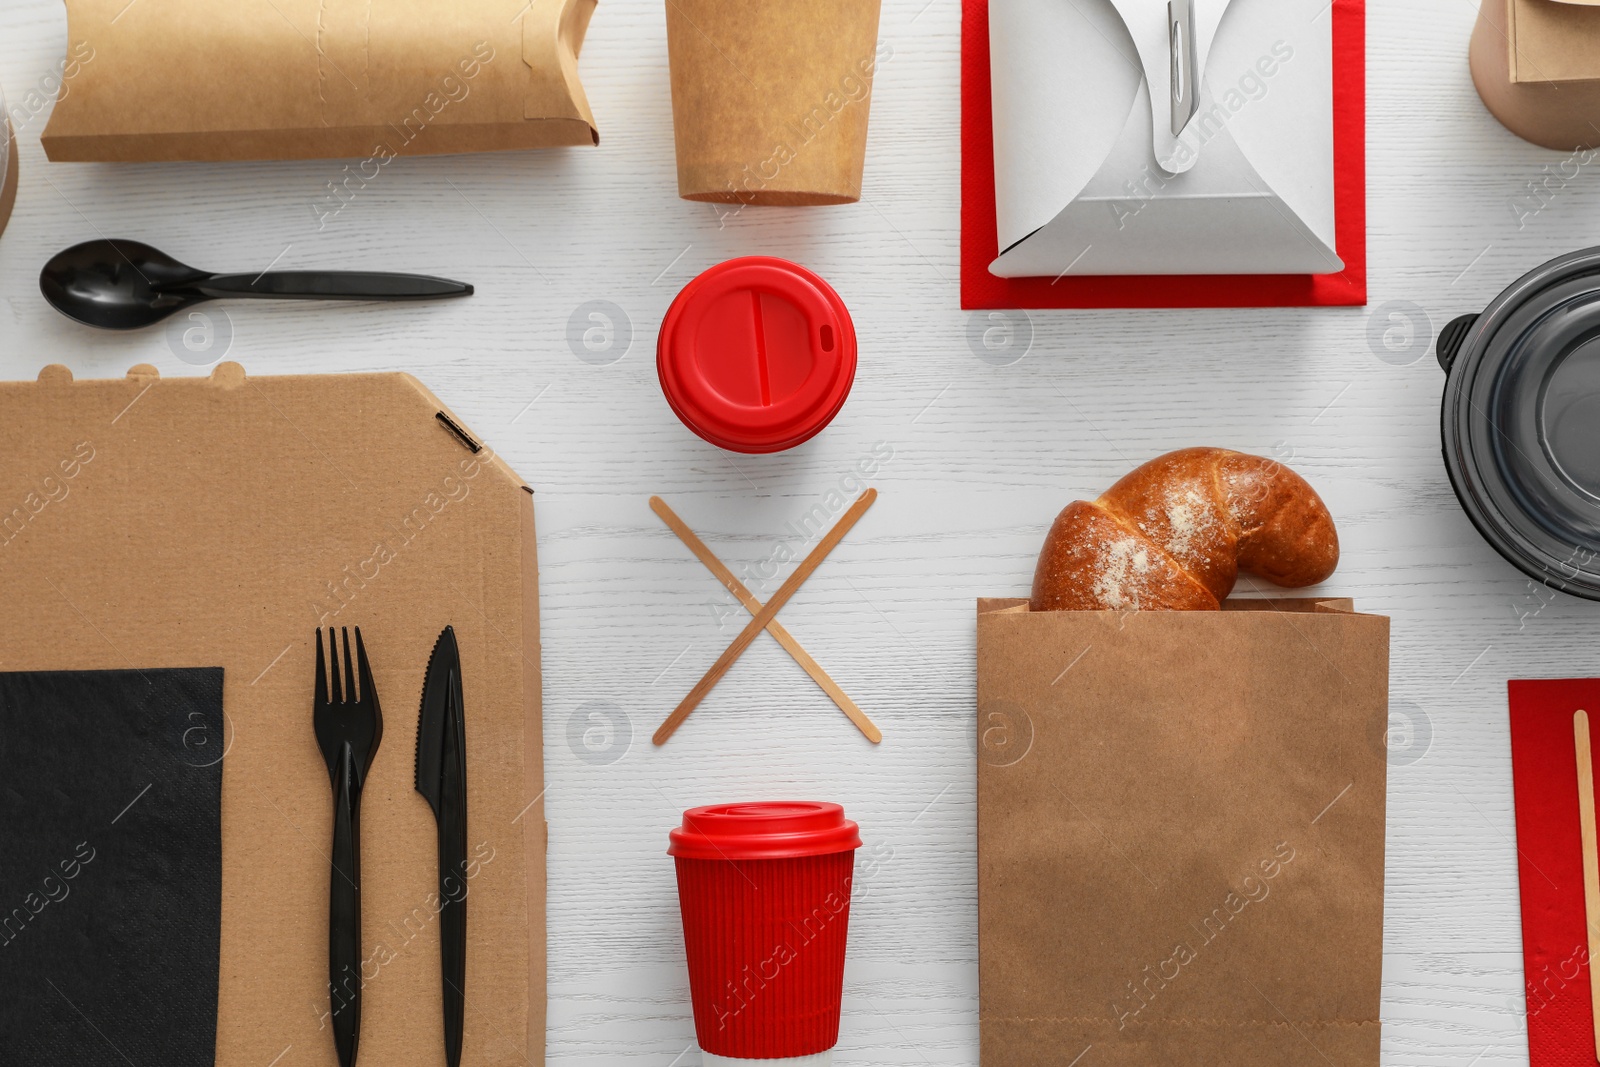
(770, 98)
(757, 354)
(1543, 87)
(8, 165)
(765, 894)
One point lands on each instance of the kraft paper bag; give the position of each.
(305, 79)
(1181, 835)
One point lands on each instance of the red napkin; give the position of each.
(980, 243)
(1555, 952)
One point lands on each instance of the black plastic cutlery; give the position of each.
(442, 780)
(349, 727)
(126, 285)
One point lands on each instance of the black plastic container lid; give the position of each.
(1521, 421)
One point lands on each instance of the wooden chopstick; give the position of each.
(767, 613)
(775, 628)
(1591, 868)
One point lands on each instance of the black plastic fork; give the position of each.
(349, 726)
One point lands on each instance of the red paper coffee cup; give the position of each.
(757, 354)
(765, 894)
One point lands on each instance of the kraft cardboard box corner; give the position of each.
(1177, 810)
(219, 521)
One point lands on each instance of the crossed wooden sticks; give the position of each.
(764, 617)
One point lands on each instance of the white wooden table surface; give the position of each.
(983, 452)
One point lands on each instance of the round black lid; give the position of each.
(1521, 423)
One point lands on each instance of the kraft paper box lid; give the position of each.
(218, 522)
(1554, 41)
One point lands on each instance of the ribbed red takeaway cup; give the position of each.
(765, 894)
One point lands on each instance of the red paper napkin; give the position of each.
(1555, 953)
(980, 243)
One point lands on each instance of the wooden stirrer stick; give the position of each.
(775, 628)
(767, 613)
(1591, 868)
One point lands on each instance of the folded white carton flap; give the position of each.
(1146, 23)
(1081, 184)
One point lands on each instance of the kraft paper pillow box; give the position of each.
(218, 522)
(1536, 64)
(1181, 834)
(306, 79)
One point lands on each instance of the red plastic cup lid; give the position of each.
(757, 354)
(774, 830)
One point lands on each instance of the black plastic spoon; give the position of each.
(125, 285)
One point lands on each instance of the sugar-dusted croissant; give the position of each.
(1174, 534)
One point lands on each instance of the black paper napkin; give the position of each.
(110, 866)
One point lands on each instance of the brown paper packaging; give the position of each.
(1536, 64)
(770, 98)
(1181, 835)
(218, 522)
(306, 79)
(8, 179)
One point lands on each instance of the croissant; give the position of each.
(1174, 534)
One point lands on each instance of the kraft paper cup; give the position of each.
(764, 890)
(1553, 114)
(8, 167)
(770, 98)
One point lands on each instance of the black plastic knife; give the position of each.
(442, 780)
